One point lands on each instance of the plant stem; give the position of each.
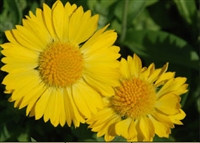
(124, 22)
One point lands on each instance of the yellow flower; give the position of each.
(58, 64)
(146, 103)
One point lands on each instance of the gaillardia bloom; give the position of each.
(58, 63)
(146, 103)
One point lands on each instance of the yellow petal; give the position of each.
(32, 112)
(147, 128)
(69, 9)
(87, 45)
(147, 72)
(48, 20)
(17, 38)
(162, 118)
(37, 27)
(18, 68)
(104, 89)
(108, 138)
(104, 54)
(122, 128)
(19, 61)
(68, 108)
(105, 72)
(74, 23)
(175, 86)
(17, 103)
(62, 108)
(86, 28)
(18, 51)
(11, 37)
(99, 42)
(164, 77)
(176, 118)
(31, 105)
(80, 101)
(58, 15)
(106, 125)
(135, 66)
(27, 43)
(157, 73)
(124, 69)
(161, 129)
(168, 104)
(77, 116)
(100, 118)
(92, 98)
(48, 113)
(55, 119)
(13, 80)
(33, 34)
(26, 85)
(41, 104)
(38, 90)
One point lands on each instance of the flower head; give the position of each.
(58, 64)
(146, 103)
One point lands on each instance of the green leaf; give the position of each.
(187, 10)
(33, 6)
(33, 140)
(151, 2)
(4, 133)
(116, 25)
(104, 9)
(162, 46)
(15, 8)
(158, 139)
(91, 4)
(82, 132)
(134, 8)
(106, 3)
(23, 137)
(165, 15)
(119, 139)
(198, 104)
(145, 21)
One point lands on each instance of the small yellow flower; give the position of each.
(58, 64)
(146, 103)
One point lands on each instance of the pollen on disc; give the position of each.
(61, 64)
(134, 98)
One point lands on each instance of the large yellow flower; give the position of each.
(58, 64)
(146, 103)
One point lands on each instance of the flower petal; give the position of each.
(176, 86)
(135, 65)
(77, 116)
(168, 104)
(126, 128)
(176, 118)
(58, 21)
(161, 129)
(157, 73)
(41, 104)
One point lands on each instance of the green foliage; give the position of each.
(158, 31)
(160, 46)
(187, 10)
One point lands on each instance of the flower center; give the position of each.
(61, 64)
(134, 98)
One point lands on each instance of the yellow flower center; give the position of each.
(134, 98)
(61, 64)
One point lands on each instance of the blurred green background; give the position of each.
(158, 31)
